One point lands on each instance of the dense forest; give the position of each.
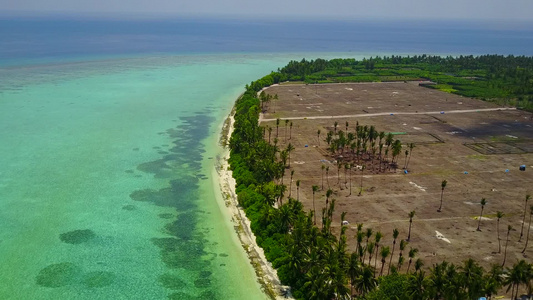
(505, 79)
(312, 259)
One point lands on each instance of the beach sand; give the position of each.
(266, 274)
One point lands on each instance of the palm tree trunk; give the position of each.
(391, 255)
(505, 251)
(441, 194)
(382, 265)
(409, 235)
(499, 240)
(527, 237)
(523, 221)
(479, 221)
(409, 265)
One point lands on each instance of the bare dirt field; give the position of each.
(476, 146)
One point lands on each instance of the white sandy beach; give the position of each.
(266, 274)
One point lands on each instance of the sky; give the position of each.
(501, 10)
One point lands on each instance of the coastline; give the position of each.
(266, 274)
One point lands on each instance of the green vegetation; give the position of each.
(503, 79)
(313, 260)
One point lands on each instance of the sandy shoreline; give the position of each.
(266, 274)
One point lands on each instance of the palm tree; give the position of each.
(370, 249)
(354, 270)
(350, 176)
(363, 167)
(366, 281)
(289, 149)
(384, 254)
(483, 203)
(442, 185)
(318, 134)
(315, 189)
(323, 168)
(528, 227)
(298, 189)
(286, 123)
(339, 164)
(418, 264)
(290, 131)
(290, 184)
(277, 126)
(403, 244)
(377, 239)
(412, 253)
(517, 275)
(524, 218)
(327, 175)
(335, 126)
(411, 146)
(405, 162)
(411, 215)
(368, 234)
(499, 215)
(329, 192)
(509, 228)
(395, 234)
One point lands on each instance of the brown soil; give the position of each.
(482, 142)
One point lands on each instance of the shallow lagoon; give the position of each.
(105, 181)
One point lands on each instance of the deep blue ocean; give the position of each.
(69, 38)
(109, 143)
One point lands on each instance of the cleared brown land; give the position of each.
(485, 144)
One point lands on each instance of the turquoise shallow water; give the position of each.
(105, 188)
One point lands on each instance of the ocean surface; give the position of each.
(109, 138)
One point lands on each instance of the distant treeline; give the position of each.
(312, 260)
(504, 79)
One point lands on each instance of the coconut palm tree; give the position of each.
(277, 127)
(363, 167)
(524, 218)
(395, 234)
(385, 251)
(269, 133)
(368, 234)
(329, 192)
(499, 215)
(370, 249)
(354, 270)
(412, 253)
(442, 185)
(349, 166)
(290, 131)
(290, 184)
(339, 164)
(403, 244)
(298, 189)
(411, 215)
(286, 123)
(318, 134)
(327, 175)
(419, 263)
(483, 202)
(517, 275)
(366, 281)
(323, 168)
(509, 228)
(315, 189)
(528, 227)
(377, 239)
(411, 146)
(289, 149)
